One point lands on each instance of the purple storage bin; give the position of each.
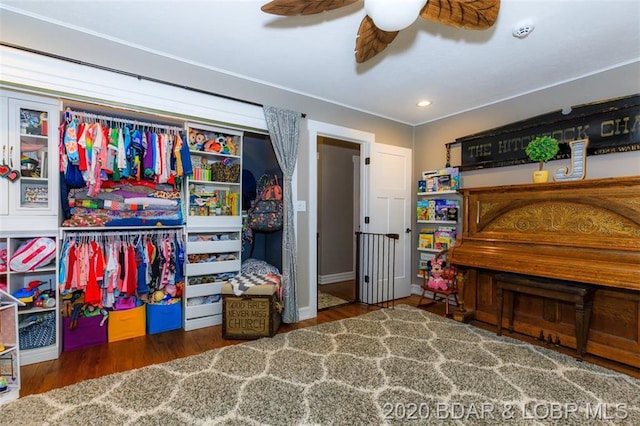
(87, 333)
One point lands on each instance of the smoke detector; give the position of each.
(522, 29)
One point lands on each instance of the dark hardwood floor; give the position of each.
(344, 290)
(76, 366)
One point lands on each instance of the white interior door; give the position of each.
(390, 212)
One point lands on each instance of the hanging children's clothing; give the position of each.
(99, 155)
(108, 265)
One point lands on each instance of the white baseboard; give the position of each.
(306, 313)
(336, 278)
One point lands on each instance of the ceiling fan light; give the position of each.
(393, 15)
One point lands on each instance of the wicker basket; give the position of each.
(225, 173)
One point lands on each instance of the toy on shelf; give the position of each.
(31, 295)
(447, 179)
(213, 142)
(3, 260)
(231, 146)
(32, 254)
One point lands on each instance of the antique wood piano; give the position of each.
(585, 231)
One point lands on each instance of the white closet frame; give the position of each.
(46, 75)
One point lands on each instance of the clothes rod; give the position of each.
(130, 74)
(91, 116)
(132, 233)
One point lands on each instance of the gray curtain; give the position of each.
(284, 129)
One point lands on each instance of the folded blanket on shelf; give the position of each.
(151, 201)
(105, 204)
(85, 217)
(125, 203)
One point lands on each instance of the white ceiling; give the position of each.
(457, 70)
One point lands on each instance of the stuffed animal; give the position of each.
(212, 145)
(436, 278)
(3, 260)
(192, 138)
(230, 146)
(200, 141)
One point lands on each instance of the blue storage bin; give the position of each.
(161, 318)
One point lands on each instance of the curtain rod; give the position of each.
(130, 74)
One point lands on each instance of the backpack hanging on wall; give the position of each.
(266, 215)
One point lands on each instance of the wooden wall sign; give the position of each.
(610, 126)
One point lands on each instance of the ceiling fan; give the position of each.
(385, 18)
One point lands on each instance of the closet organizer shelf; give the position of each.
(36, 310)
(199, 247)
(214, 221)
(203, 299)
(212, 154)
(215, 182)
(214, 188)
(213, 267)
(39, 341)
(202, 315)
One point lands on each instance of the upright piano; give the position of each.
(585, 231)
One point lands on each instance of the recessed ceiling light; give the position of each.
(424, 103)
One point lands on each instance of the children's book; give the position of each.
(445, 237)
(425, 241)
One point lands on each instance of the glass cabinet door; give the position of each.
(32, 154)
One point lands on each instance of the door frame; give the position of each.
(364, 139)
(357, 207)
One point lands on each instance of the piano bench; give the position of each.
(580, 294)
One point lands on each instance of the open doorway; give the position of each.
(338, 218)
(316, 129)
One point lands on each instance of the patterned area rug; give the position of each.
(326, 300)
(385, 367)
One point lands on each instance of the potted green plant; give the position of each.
(542, 149)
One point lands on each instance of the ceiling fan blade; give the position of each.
(303, 7)
(371, 40)
(471, 14)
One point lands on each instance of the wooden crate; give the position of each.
(255, 314)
